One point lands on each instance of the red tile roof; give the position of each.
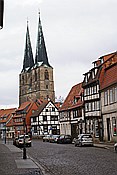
(24, 105)
(75, 92)
(7, 113)
(40, 109)
(109, 76)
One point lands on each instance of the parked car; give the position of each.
(15, 140)
(20, 141)
(84, 139)
(53, 138)
(46, 138)
(64, 139)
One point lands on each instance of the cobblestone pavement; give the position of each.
(66, 159)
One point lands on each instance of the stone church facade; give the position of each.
(36, 78)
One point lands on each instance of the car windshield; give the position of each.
(26, 136)
(55, 136)
(67, 136)
(87, 136)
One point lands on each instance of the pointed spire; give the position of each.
(28, 55)
(41, 54)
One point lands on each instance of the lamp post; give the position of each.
(24, 125)
(4, 133)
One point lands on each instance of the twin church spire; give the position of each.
(41, 57)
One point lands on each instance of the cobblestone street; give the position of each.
(68, 159)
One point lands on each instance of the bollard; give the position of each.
(24, 153)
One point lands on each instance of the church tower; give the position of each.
(36, 77)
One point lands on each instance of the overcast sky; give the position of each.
(76, 32)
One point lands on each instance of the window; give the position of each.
(89, 106)
(88, 90)
(97, 88)
(45, 128)
(54, 118)
(115, 94)
(93, 106)
(86, 107)
(74, 113)
(46, 86)
(86, 79)
(30, 82)
(23, 79)
(98, 105)
(35, 75)
(105, 98)
(94, 89)
(79, 113)
(93, 76)
(111, 96)
(35, 129)
(34, 119)
(46, 110)
(46, 75)
(53, 109)
(44, 118)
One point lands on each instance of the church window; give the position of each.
(23, 79)
(35, 75)
(46, 86)
(46, 75)
(31, 81)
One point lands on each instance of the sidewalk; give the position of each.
(12, 163)
(105, 145)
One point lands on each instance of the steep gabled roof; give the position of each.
(40, 109)
(75, 92)
(24, 106)
(28, 62)
(41, 53)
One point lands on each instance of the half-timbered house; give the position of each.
(45, 120)
(71, 112)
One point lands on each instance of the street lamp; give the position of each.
(24, 125)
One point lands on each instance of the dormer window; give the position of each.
(93, 76)
(86, 79)
(95, 71)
